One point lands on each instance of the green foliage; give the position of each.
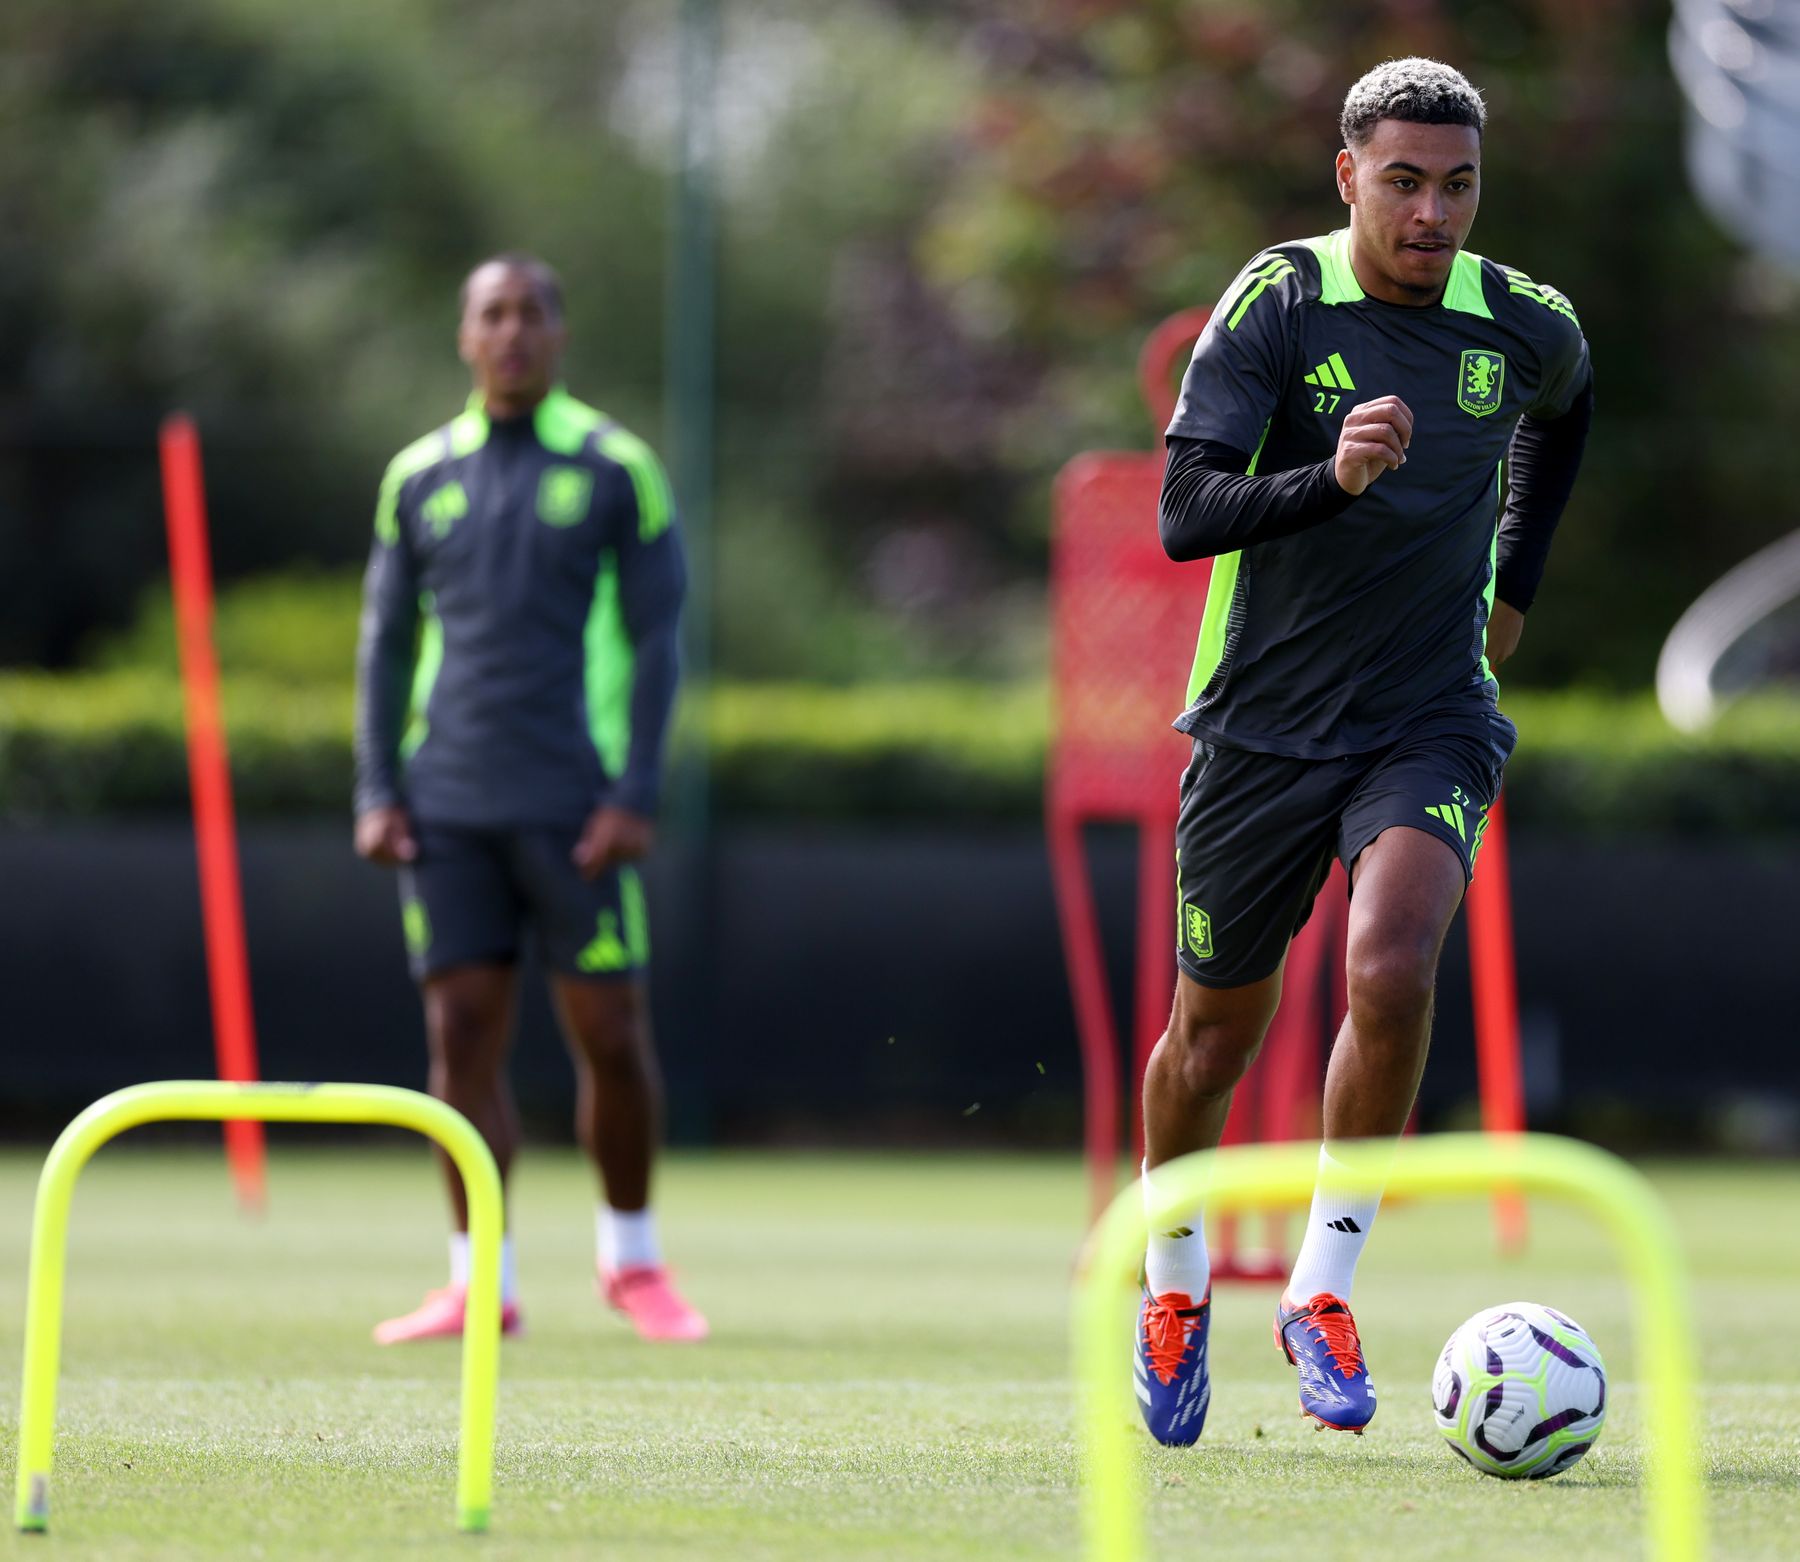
(261, 212)
(197, 196)
(1124, 161)
(112, 742)
(869, 751)
(294, 628)
(943, 232)
(1600, 764)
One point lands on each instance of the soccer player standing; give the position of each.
(1346, 430)
(515, 676)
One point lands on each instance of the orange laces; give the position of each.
(1166, 1333)
(1331, 1326)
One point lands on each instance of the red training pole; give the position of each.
(209, 778)
(1157, 921)
(1493, 977)
(1086, 962)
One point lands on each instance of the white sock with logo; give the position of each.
(625, 1239)
(1176, 1258)
(1345, 1199)
(509, 1265)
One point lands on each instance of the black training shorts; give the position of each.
(1257, 832)
(473, 892)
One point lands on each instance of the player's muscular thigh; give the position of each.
(1217, 1030)
(467, 1018)
(1407, 885)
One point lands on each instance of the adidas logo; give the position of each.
(1346, 1225)
(1333, 374)
(1452, 815)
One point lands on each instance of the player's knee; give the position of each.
(1215, 1033)
(1212, 1057)
(616, 1054)
(612, 1030)
(1391, 980)
(467, 1039)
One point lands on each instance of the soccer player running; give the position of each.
(515, 675)
(1338, 452)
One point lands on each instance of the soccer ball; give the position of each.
(1520, 1391)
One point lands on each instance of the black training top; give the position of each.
(517, 662)
(1333, 623)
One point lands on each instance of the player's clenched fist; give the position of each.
(385, 835)
(1374, 438)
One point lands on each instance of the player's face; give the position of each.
(510, 337)
(1412, 191)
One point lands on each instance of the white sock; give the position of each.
(1345, 1199)
(1176, 1259)
(509, 1265)
(625, 1238)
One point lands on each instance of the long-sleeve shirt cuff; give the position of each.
(1211, 505)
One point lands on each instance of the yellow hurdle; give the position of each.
(206, 1100)
(1439, 1164)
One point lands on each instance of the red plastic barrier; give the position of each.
(209, 776)
(1123, 624)
(1124, 619)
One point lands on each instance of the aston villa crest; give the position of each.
(1199, 933)
(563, 494)
(1478, 390)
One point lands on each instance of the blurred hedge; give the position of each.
(110, 742)
(86, 744)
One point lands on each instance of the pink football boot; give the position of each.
(440, 1317)
(646, 1295)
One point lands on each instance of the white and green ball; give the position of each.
(1520, 1391)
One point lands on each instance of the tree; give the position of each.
(1124, 160)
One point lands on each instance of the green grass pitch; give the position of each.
(888, 1377)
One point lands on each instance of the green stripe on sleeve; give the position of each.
(1211, 649)
(1487, 596)
(420, 454)
(1264, 279)
(656, 505)
(425, 676)
(1221, 590)
(609, 661)
(1245, 281)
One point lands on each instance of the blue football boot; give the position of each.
(1174, 1386)
(1319, 1338)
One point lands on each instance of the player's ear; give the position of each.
(1346, 176)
